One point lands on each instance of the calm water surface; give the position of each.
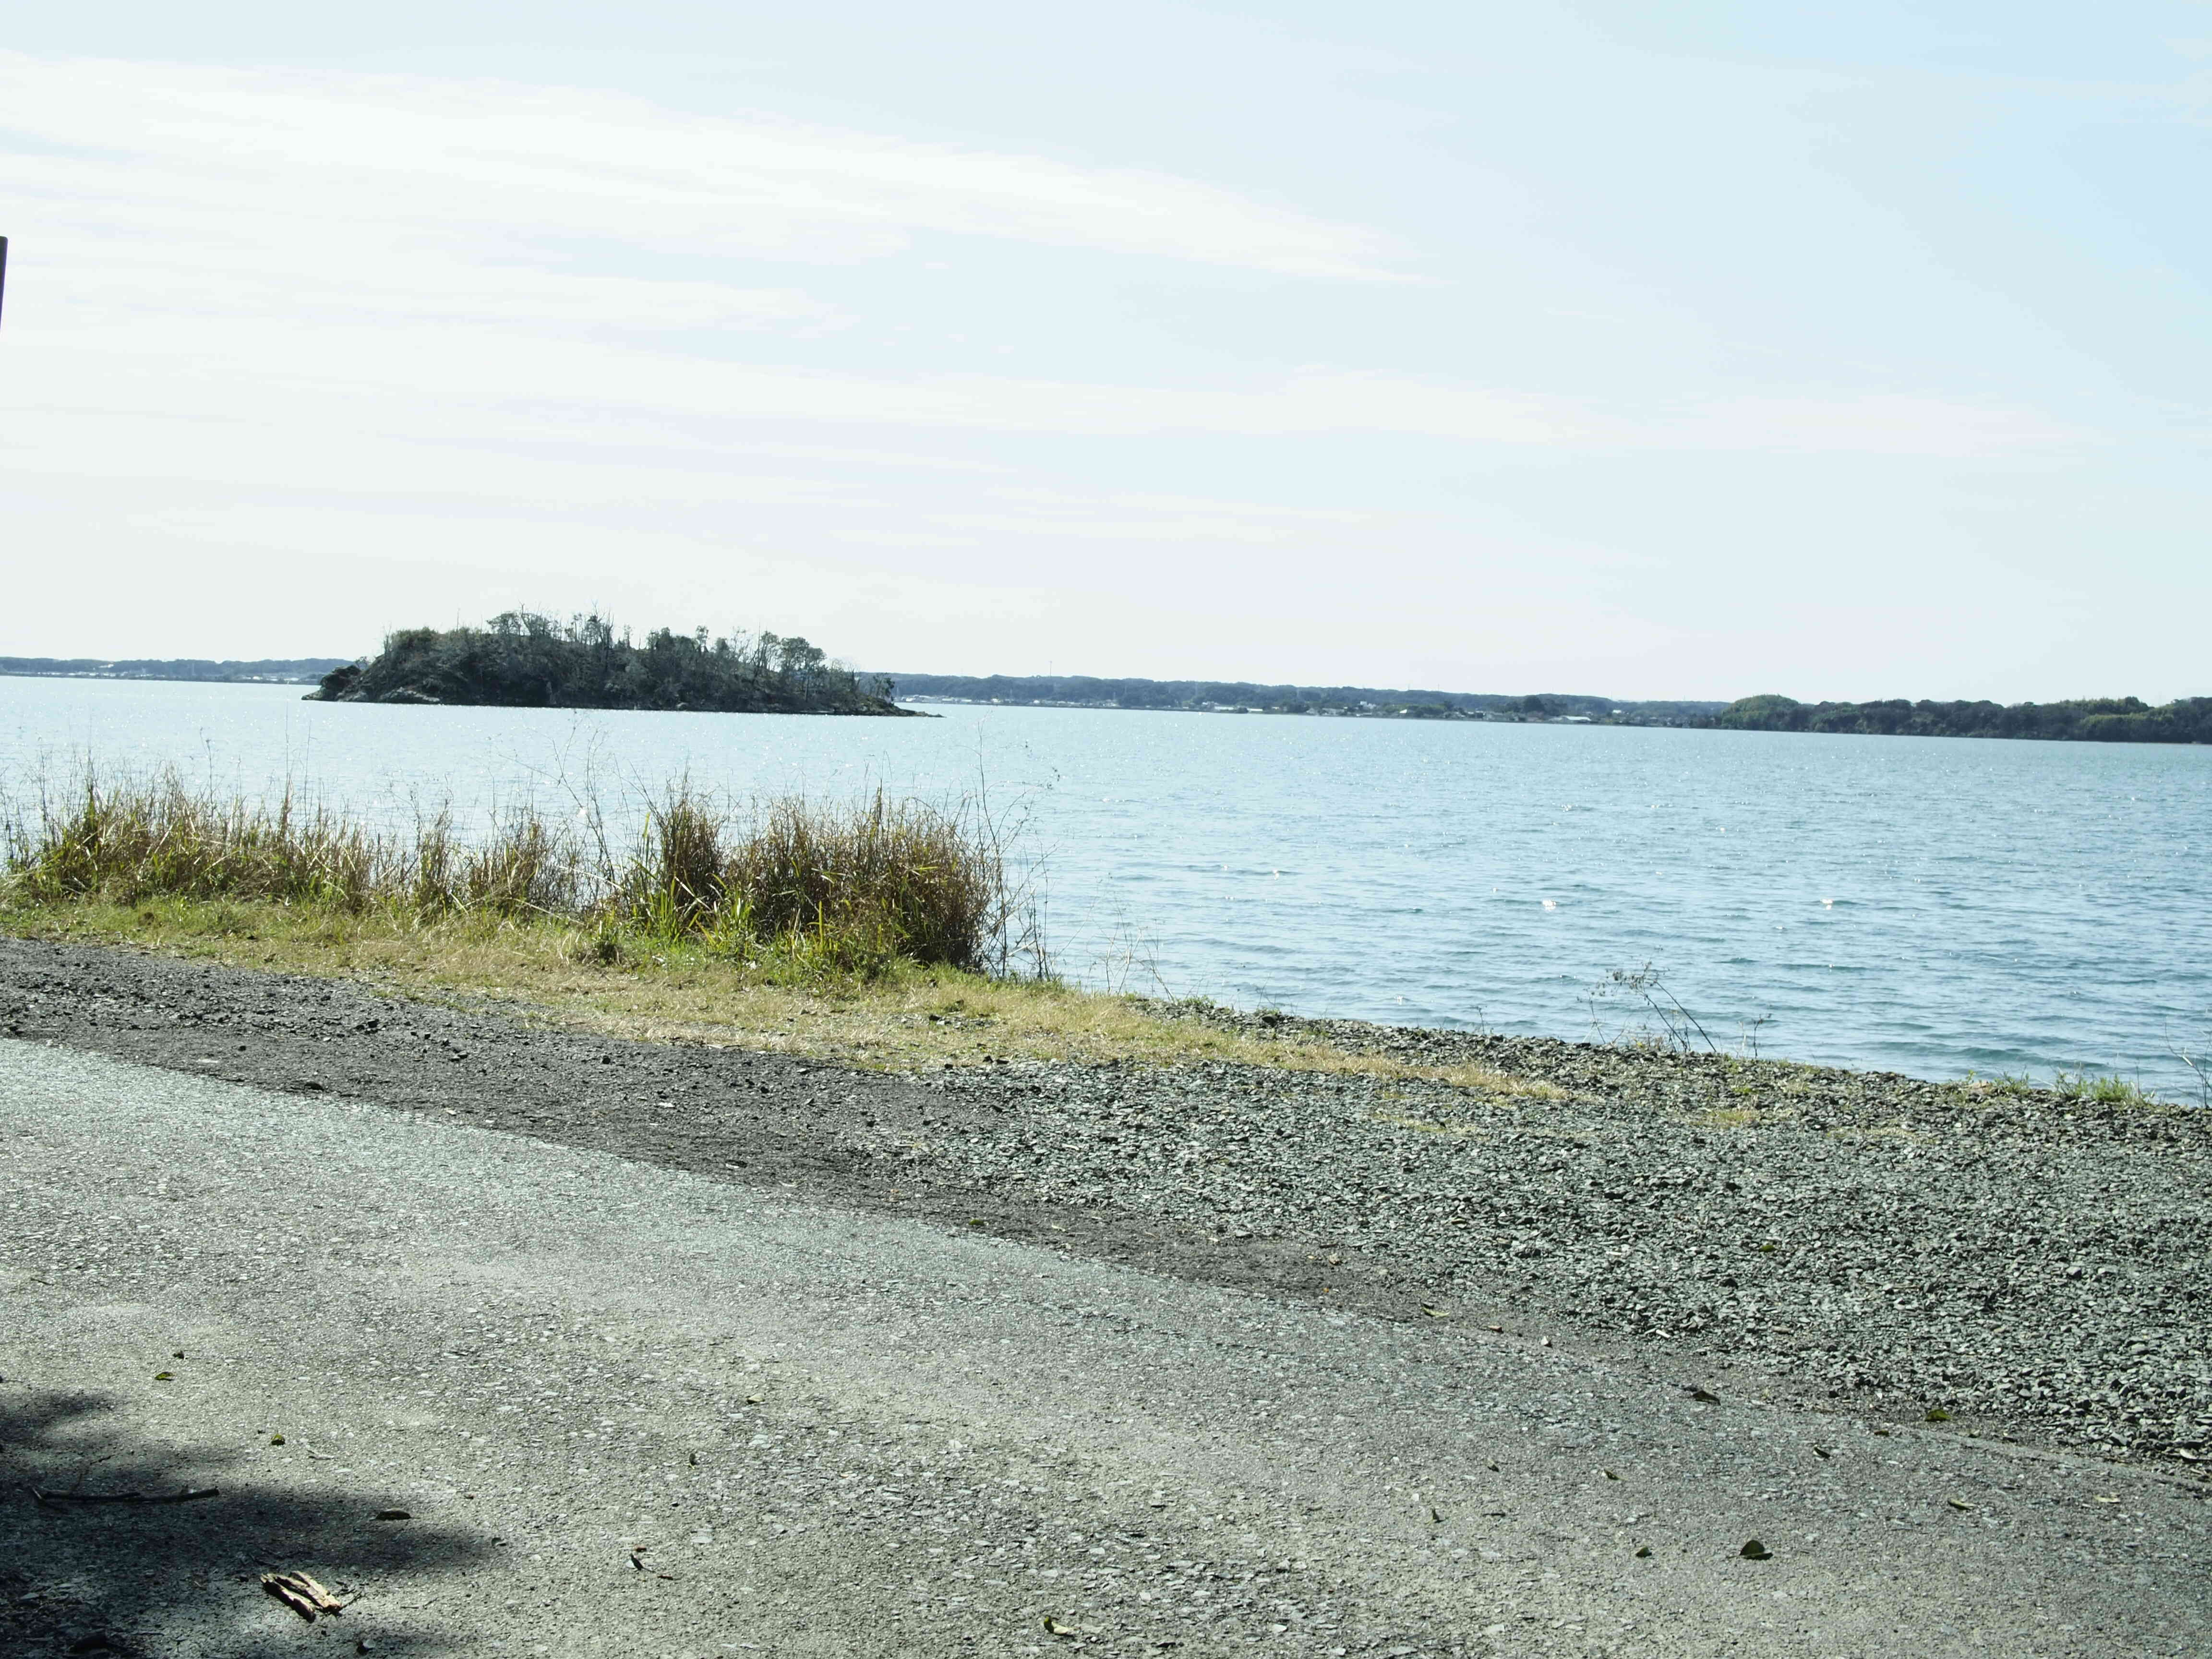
(1928, 905)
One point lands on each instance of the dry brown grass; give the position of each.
(814, 890)
(913, 1019)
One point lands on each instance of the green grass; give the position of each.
(2013, 1086)
(2103, 1089)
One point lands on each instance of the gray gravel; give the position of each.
(629, 1410)
(2025, 1264)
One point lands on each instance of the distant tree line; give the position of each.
(267, 671)
(524, 660)
(2088, 720)
(1087, 691)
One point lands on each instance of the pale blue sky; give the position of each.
(1695, 350)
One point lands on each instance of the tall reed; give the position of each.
(674, 883)
(867, 884)
(132, 841)
(839, 888)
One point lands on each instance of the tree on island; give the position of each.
(521, 659)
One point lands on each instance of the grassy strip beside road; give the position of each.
(883, 934)
(907, 1017)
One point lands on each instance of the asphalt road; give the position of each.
(629, 1410)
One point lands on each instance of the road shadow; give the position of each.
(148, 1579)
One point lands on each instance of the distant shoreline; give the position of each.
(265, 670)
(1250, 697)
(2097, 719)
(2105, 720)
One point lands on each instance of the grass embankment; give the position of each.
(886, 935)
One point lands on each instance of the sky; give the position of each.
(1687, 351)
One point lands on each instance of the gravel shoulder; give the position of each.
(2030, 1269)
(522, 1397)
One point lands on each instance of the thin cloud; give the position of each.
(255, 160)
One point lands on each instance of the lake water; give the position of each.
(1926, 905)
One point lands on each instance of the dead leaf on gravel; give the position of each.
(1822, 1451)
(1960, 1504)
(1064, 1632)
(304, 1595)
(1756, 1550)
(1703, 1396)
(395, 1515)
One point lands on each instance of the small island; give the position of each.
(520, 659)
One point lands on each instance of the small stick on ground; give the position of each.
(304, 1595)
